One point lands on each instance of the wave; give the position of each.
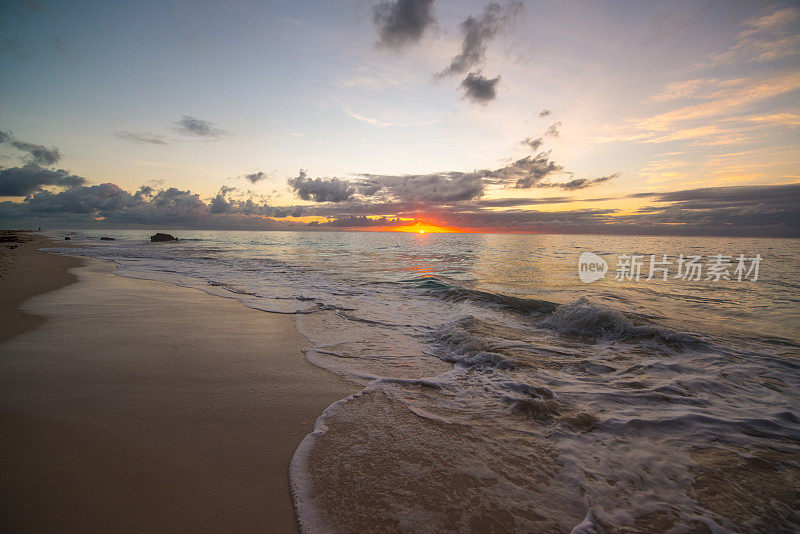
(586, 319)
(458, 345)
(580, 318)
(451, 291)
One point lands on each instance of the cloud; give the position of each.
(717, 115)
(757, 210)
(684, 89)
(321, 190)
(726, 99)
(765, 38)
(402, 22)
(527, 172)
(255, 177)
(552, 130)
(740, 195)
(108, 204)
(545, 113)
(222, 204)
(142, 138)
(455, 186)
(361, 221)
(712, 109)
(533, 144)
(38, 154)
(197, 127)
(22, 181)
(729, 211)
(580, 183)
(395, 119)
(480, 89)
(513, 202)
(476, 33)
(434, 187)
(82, 200)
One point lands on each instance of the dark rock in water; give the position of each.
(67, 238)
(162, 237)
(104, 238)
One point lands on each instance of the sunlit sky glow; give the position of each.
(350, 115)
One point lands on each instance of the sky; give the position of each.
(579, 117)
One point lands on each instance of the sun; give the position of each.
(420, 227)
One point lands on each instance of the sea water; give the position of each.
(502, 393)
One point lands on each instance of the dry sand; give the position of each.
(142, 406)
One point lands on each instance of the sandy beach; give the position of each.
(132, 405)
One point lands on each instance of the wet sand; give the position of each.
(132, 405)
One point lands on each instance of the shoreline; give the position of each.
(26, 272)
(137, 405)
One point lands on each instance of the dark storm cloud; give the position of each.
(480, 89)
(22, 181)
(533, 144)
(142, 138)
(402, 22)
(197, 127)
(5, 137)
(580, 183)
(552, 131)
(545, 113)
(477, 31)
(321, 190)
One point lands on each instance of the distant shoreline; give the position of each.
(488, 231)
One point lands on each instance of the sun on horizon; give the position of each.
(422, 227)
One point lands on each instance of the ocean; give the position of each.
(503, 393)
